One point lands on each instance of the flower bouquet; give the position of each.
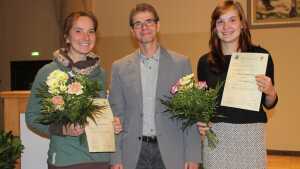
(191, 102)
(67, 100)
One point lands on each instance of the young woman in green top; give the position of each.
(65, 149)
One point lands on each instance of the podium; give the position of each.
(15, 102)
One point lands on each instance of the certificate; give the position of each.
(100, 133)
(240, 90)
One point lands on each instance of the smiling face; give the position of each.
(145, 28)
(82, 36)
(228, 27)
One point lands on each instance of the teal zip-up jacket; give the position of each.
(63, 150)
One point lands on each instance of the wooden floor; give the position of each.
(283, 162)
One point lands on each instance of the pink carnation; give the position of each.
(75, 88)
(174, 89)
(202, 85)
(58, 100)
(177, 83)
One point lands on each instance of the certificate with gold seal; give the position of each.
(240, 90)
(100, 133)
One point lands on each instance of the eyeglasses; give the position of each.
(148, 23)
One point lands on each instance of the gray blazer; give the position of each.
(176, 146)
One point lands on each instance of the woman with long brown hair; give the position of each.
(240, 132)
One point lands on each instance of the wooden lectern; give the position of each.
(15, 102)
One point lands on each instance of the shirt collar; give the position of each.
(155, 57)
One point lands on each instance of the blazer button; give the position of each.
(139, 138)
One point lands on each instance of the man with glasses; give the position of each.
(151, 140)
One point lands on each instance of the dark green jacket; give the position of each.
(63, 150)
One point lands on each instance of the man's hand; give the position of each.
(117, 166)
(117, 125)
(191, 165)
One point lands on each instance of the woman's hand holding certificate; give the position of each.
(240, 88)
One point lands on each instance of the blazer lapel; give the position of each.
(165, 63)
(135, 76)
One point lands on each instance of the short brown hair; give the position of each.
(142, 7)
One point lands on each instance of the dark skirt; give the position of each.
(82, 166)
